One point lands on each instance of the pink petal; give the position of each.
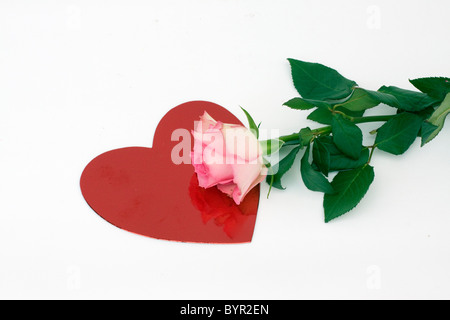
(241, 144)
(206, 122)
(227, 188)
(246, 177)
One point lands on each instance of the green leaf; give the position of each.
(438, 117)
(321, 156)
(305, 104)
(362, 99)
(339, 161)
(399, 133)
(313, 180)
(425, 113)
(408, 100)
(436, 87)
(318, 82)
(428, 132)
(347, 136)
(320, 115)
(436, 122)
(350, 187)
(305, 136)
(381, 97)
(252, 125)
(283, 166)
(325, 116)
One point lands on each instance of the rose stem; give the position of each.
(295, 138)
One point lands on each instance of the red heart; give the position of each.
(142, 190)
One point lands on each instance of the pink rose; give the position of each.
(228, 156)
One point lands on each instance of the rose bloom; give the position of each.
(228, 156)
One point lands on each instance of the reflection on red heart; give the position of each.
(143, 191)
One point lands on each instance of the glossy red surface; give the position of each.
(141, 190)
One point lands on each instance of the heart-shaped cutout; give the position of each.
(142, 190)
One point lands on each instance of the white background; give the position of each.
(78, 78)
